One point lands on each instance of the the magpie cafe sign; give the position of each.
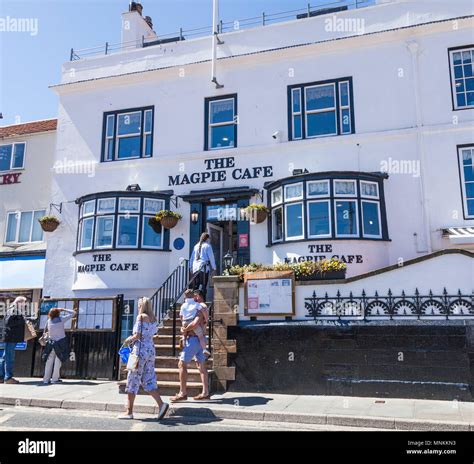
(10, 178)
(220, 170)
(103, 263)
(325, 251)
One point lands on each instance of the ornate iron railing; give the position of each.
(391, 306)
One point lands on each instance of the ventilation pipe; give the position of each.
(215, 42)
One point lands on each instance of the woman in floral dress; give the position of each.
(142, 339)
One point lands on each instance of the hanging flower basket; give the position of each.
(49, 223)
(257, 213)
(168, 219)
(155, 225)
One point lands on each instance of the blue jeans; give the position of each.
(7, 361)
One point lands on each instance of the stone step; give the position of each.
(172, 362)
(167, 388)
(169, 331)
(164, 374)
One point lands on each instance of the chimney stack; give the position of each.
(136, 28)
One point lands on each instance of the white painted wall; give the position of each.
(385, 120)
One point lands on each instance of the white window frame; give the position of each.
(117, 238)
(379, 219)
(218, 124)
(281, 196)
(308, 218)
(87, 218)
(345, 195)
(109, 138)
(325, 110)
(135, 134)
(96, 235)
(18, 223)
(13, 155)
(324, 181)
(377, 197)
(285, 218)
(463, 181)
(293, 198)
(146, 133)
(146, 211)
(274, 240)
(125, 211)
(357, 234)
(296, 113)
(345, 107)
(453, 77)
(98, 212)
(83, 208)
(160, 247)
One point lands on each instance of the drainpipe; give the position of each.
(413, 48)
(215, 41)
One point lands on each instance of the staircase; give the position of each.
(166, 307)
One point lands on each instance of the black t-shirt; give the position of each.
(14, 328)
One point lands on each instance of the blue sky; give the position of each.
(29, 63)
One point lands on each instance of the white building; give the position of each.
(26, 157)
(355, 127)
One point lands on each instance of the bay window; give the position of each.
(327, 205)
(321, 109)
(120, 221)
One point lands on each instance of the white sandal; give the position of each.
(125, 416)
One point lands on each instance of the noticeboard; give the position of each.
(270, 293)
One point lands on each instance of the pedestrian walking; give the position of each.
(141, 364)
(202, 263)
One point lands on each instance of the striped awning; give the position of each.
(459, 234)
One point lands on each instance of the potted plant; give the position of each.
(257, 212)
(325, 269)
(168, 218)
(49, 223)
(155, 224)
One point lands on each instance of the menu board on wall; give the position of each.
(270, 294)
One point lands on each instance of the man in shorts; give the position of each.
(192, 350)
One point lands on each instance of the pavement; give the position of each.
(341, 411)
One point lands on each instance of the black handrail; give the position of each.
(166, 297)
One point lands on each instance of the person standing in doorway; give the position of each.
(14, 332)
(202, 263)
(144, 375)
(57, 349)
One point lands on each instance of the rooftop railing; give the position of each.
(223, 27)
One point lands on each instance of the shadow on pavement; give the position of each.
(187, 416)
(240, 401)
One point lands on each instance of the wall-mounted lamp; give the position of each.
(228, 260)
(194, 216)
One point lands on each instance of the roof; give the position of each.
(28, 128)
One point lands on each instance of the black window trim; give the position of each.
(453, 92)
(377, 178)
(207, 102)
(302, 86)
(115, 113)
(164, 196)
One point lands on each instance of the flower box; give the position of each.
(330, 275)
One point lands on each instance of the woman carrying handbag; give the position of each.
(141, 362)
